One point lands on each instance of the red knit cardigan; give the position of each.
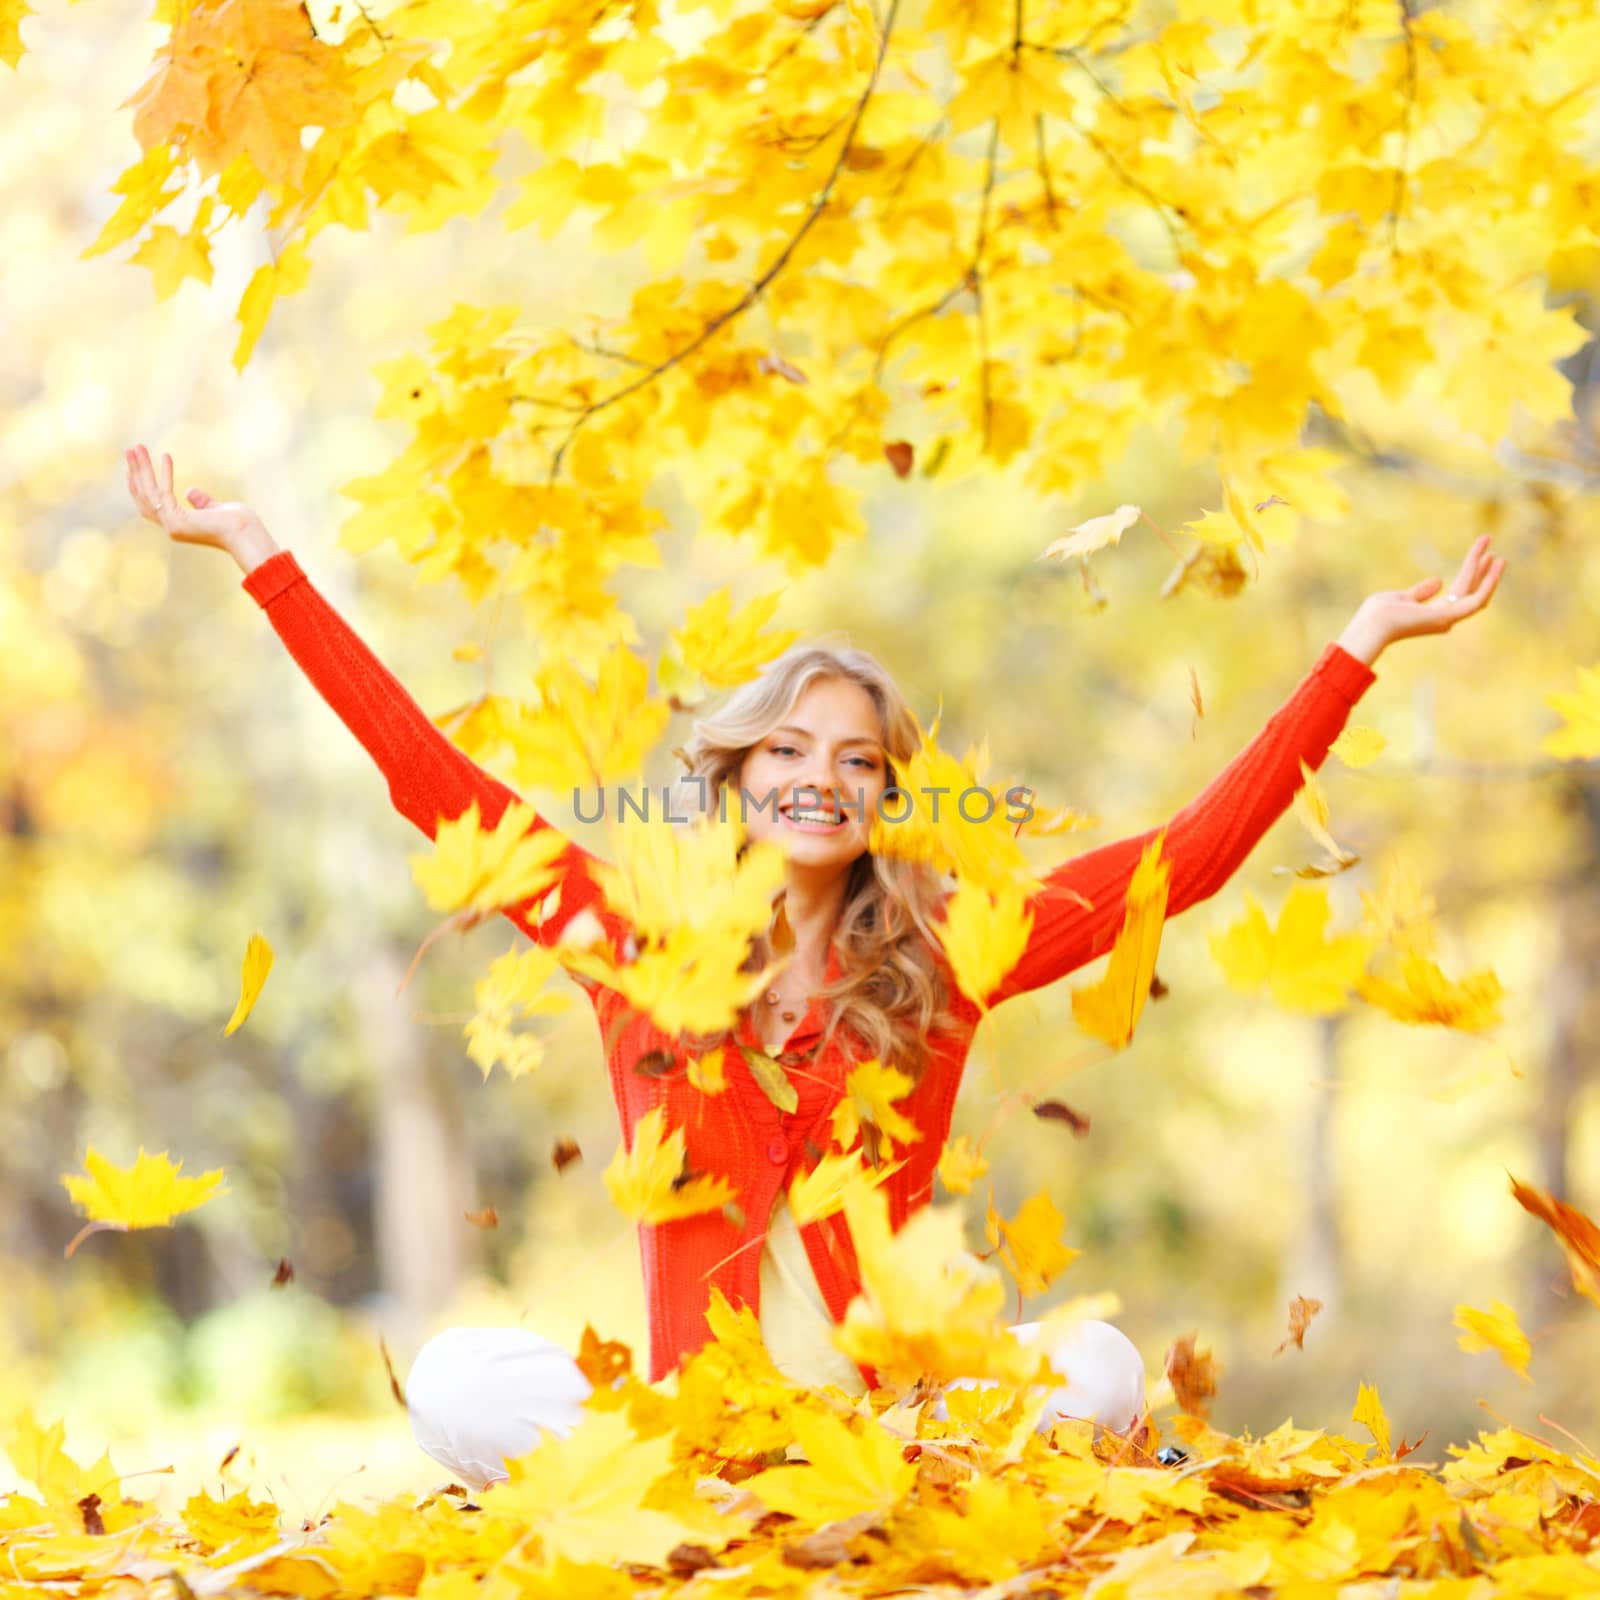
(740, 1134)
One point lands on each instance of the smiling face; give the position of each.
(827, 751)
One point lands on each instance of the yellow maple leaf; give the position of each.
(647, 1183)
(252, 977)
(708, 1073)
(670, 876)
(1032, 1246)
(583, 1495)
(984, 933)
(1358, 745)
(850, 1468)
(960, 1165)
(514, 988)
(726, 647)
(1424, 995)
(927, 1305)
(1370, 1414)
(1095, 534)
(871, 1090)
(1302, 968)
(583, 735)
(1579, 740)
(1496, 1329)
(149, 1194)
(472, 868)
(1399, 912)
(1109, 1010)
(822, 1191)
(1013, 87)
(172, 256)
(38, 1455)
(692, 981)
(928, 820)
(1311, 806)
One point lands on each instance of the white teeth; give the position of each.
(797, 815)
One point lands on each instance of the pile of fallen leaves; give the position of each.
(730, 1479)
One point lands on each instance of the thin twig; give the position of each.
(759, 287)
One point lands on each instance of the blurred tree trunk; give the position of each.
(1569, 1002)
(1313, 1264)
(422, 1178)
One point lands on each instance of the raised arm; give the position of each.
(1206, 841)
(1210, 837)
(429, 777)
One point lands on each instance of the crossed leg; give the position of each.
(480, 1395)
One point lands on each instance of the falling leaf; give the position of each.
(984, 934)
(1032, 1246)
(1060, 1111)
(480, 870)
(1311, 806)
(869, 1100)
(1110, 1009)
(1095, 534)
(1303, 968)
(647, 1181)
(487, 1218)
(602, 1361)
(1370, 1414)
(566, 1151)
(821, 1192)
(1579, 1236)
(284, 1276)
(149, 1194)
(901, 456)
(770, 1078)
(1193, 1375)
(960, 1166)
(1425, 995)
(1579, 740)
(708, 1073)
(388, 1366)
(1358, 746)
(1496, 1329)
(1301, 1311)
(252, 977)
(725, 647)
(1194, 696)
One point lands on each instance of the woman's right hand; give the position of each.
(224, 524)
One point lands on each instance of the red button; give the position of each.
(777, 1152)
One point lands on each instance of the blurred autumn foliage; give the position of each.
(593, 312)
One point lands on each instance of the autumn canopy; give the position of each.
(847, 250)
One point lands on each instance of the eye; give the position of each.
(866, 761)
(783, 749)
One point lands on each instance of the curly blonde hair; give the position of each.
(893, 994)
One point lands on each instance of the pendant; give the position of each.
(772, 997)
(788, 1016)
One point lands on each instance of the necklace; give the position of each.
(773, 997)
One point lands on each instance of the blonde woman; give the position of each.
(814, 742)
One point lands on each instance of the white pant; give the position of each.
(480, 1395)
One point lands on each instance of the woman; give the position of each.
(824, 732)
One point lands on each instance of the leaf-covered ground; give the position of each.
(730, 1480)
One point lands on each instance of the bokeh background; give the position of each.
(170, 784)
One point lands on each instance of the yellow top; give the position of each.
(794, 1317)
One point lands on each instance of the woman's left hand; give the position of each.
(1392, 614)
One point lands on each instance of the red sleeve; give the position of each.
(1206, 841)
(429, 777)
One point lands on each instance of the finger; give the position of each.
(1466, 578)
(166, 478)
